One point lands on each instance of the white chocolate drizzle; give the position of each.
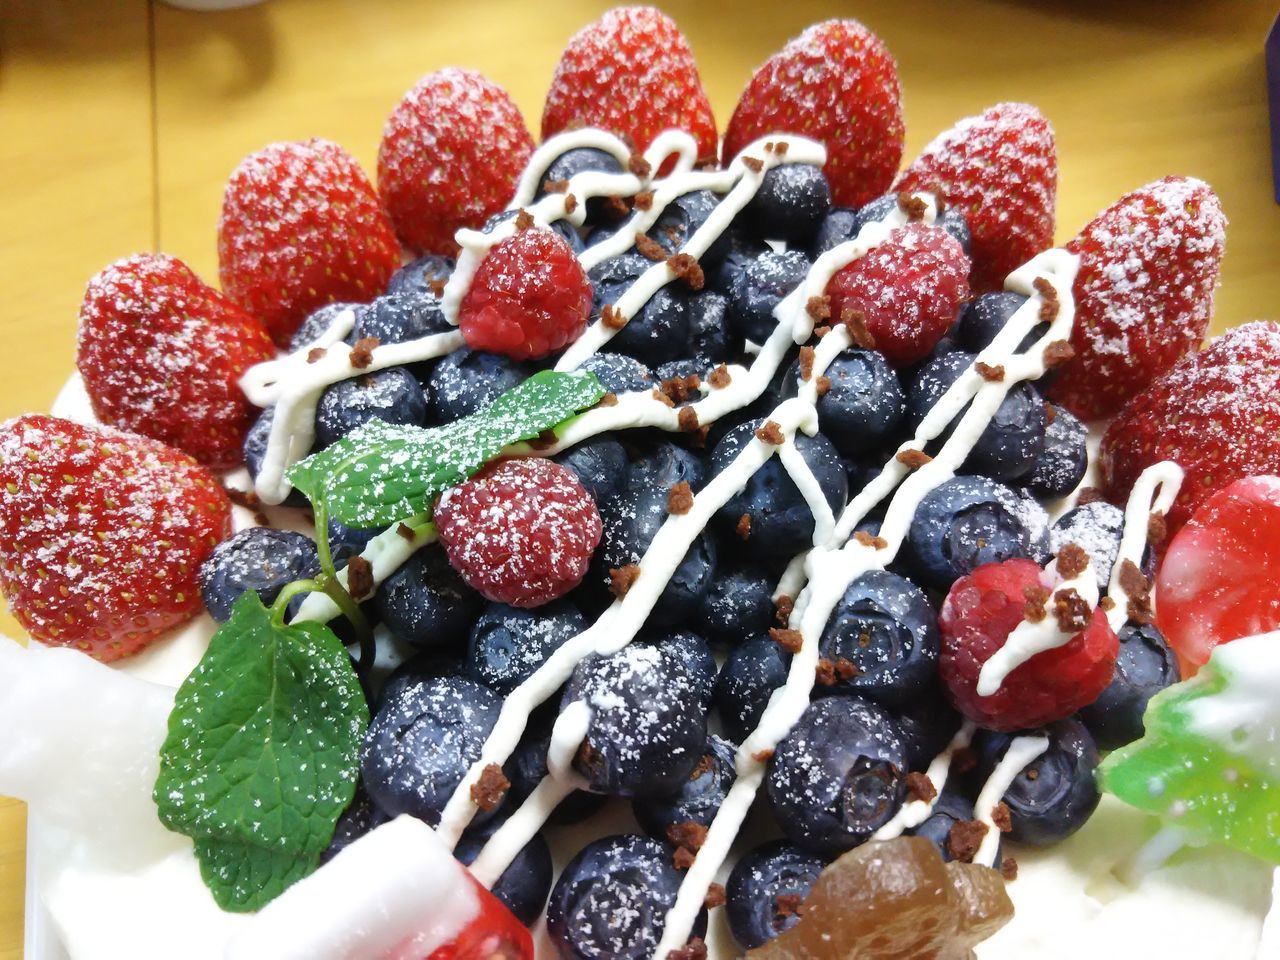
(1022, 751)
(915, 812)
(1153, 492)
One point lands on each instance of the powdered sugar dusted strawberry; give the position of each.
(161, 354)
(980, 612)
(1216, 414)
(837, 83)
(450, 156)
(302, 226)
(102, 533)
(1000, 169)
(1144, 293)
(906, 292)
(631, 73)
(520, 532)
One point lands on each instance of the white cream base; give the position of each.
(1070, 903)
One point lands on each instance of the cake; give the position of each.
(827, 502)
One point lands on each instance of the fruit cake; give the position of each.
(718, 541)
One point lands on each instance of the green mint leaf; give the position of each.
(262, 753)
(381, 473)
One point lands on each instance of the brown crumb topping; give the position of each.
(316, 354)
(680, 499)
(1106, 604)
(1057, 353)
(1089, 495)
(688, 834)
(1037, 597)
(616, 207)
(807, 355)
(913, 459)
(743, 529)
(1138, 589)
(821, 330)
(686, 268)
(762, 756)
(1071, 610)
(704, 764)
(612, 317)
(488, 791)
(1072, 561)
(870, 540)
(543, 440)
(555, 186)
(687, 420)
(855, 322)
(359, 577)
(683, 858)
(436, 286)
(715, 897)
(404, 530)
(823, 385)
(638, 165)
(771, 432)
(1048, 297)
(682, 389)
(1000, 817)
(846, 669)
(720, 377)
(920, 787)
(1050, 413)
(789, 640)
(788, 904)
(650, 248)
(1157, 528)
(1009, 868)
(912, 206)
(825, 673)
(524, 220)
(663, 398)
(621, 579)
(818, 307)
(570, 203)
(643, 200)
(990, 373)
(753, 164)
(965, 838)
(782, 608)
(608, 400)
(362, 352)
(695, 949)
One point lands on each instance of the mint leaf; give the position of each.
(381, 473)
(262, 753)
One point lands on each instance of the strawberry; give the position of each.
(302, 226)
(451, 153)
(1000, 169)
(1216, 414)
(630, 73)
(836, 83)
(102, 533)
(161, 353)
(1144, 293)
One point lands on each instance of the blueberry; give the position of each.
(709, 336)
(763, 876)
(738, 605)
(660, 330)
(746, 682)
(763, 285)
(466, 381)
(968, 521)
(741, 252)
(527, 767)
(839, 225)
(1053, 796)
(865, 405)
(393, 396)
(1014, 439)
(359, 818)
(632, 517)
(1145, 666)
(1096, 527)
(422, 741)
(781, 523)
(951, 220)
(255, 452)
(524, 885)
(318, 322)
(425, 602)
(682, 217)
(612, 899)
(986, 316)
(1065, 459)
(424, 666)
(949, 809)
(694, 654)
(258, 558)
(599, 463)
(838, 775)
(648, 728)
(401, 317)
(928, 723)
(567, 231)
(698, 798)
(619, 373)
(421, 277)
(682, 369)
(790, 205)
(345, 542)
(509, 643)
(579, 160)
(885, 627)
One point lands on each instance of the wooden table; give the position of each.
(120, 122)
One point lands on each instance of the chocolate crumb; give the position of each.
(772, 433)
(920, 787)
(1049, 298)
(681, 389)
(1071, 610)
(1057, 353)
(683, 858)
(825, 674)
(661, 397)
(524, 220)
(743, 529)
(846, 669)
(964, 839)
(704, 764)
(963, 760)
(753, 164)
(1106, 604)
(1072, 561)
(643, 200)
(359, 577)
(621, 579)
(818, 307)
(912, 206)
(638, 165)
(436, 286)
(913, 459)
(789, 640)
(695, 949)
(616, 207)
(1050, 413)
(788, 904)
(689, 834)
(1009, 868)
(608, 400)
(782, 608)
(1037, 597)
(650, 248)
(612, 317)
(821, 330)
(990, 373)
(823, 385)
(1157, 528)
(1000, 817)
(544, 440)
(362, 352)
(855, 322)
(806, 363)
(316, 354)
(870, 540)
(680, 499)
(686, 268)
(488, 791)
(762, 756)
(570, 203)
(555, 186)
(243, 498)
(715, 897)
(1089, 495)
(780, 148)
(261, 519)
(1138, 589)
(687, 420)
(720, 377)
(404, 530)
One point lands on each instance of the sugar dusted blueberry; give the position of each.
(864, 404)
(1145, 665)
(422, 277)
(765, 890)
(258, 558)
(738, 605)
(467, 381)
(660, 330)
(619, 373)
(748, 678)
(393, 396)
(425, 602)
(696, 801)
(508, 643)
(764, 284)
(790, 205)
(1062, 466)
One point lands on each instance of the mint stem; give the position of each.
(321, 513)
(287, 593)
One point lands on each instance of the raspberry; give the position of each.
(1216, 414)
(836, 83)
(1000, 169)
(908, 291)
(529, 297)
(162, 353)
(302, 226)
(631, 73)
(980, 612)
(450, 156)
(102, 533)
(1220, 579)
(1144, 293)
(520, 532)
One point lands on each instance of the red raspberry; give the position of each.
(102, 533)
(980, 612)
(1220, 578)
(630, 73)
(162, 353)
(302, 226)
(1216, 414)
(908, 290)
(451, 153)
(1000, 169)
(521, 531)
(529, 297)
(836, 83)
(1144, 293)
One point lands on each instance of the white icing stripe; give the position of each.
(915, 812)
(1154, 491)
(1022, 751)
(797, 467)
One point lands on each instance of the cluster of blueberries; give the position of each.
(669, 709)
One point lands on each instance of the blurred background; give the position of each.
(120, 121)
